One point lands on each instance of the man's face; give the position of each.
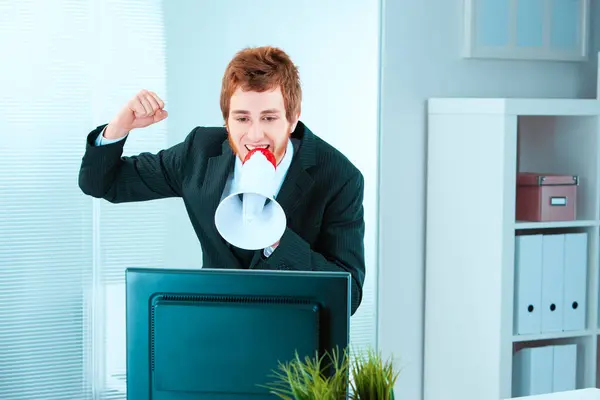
(258, 120)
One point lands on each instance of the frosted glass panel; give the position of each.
(71, 63)
(565, 23)
(527, 29)
(492, 26)
(530, 23)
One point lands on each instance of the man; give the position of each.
(319, 189)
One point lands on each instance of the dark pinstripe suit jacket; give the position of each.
(322, 197)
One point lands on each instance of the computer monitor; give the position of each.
(219, 334)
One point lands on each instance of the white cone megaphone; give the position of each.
(250, 218)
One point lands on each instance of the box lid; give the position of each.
(542, 179)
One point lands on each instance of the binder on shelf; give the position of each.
(553, 250)
(564, 367)
(533, 371)
(544, 369)
(575, 281)
(528, 284)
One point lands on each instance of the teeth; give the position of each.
(264, 146)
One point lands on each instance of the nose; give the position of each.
(255, 133)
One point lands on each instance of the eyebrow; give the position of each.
(245, 112)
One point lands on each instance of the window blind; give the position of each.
(45, 221)
(71, 65)
(130, 40)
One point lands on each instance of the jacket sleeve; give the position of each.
(340, 246)
(106, 174)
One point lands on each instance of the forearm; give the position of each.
(294, 253)
(106, 174)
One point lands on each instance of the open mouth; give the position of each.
(260, 146)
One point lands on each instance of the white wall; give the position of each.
(337, 50)
(417, 66)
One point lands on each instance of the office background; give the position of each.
(69, 65)
(421, 58)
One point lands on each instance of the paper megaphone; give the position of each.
(250, 218)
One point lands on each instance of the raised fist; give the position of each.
(142, 110)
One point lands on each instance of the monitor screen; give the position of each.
(221, 334)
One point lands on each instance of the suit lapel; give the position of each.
(298, 181)
(217, 171)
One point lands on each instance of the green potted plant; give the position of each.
(364, 377)
(303, 379)
(372, 377)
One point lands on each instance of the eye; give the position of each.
(241, 119)
(270, 118)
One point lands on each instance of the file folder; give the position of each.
(528, 284)
(553, 254)
(575, 281)
(533, 371)
(564, 368)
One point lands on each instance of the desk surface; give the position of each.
(582, 394)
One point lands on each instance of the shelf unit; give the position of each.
(476, 146)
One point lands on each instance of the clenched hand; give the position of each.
(142, 110)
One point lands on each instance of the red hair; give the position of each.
(260, 69)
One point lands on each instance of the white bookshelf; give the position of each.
(475, 149)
